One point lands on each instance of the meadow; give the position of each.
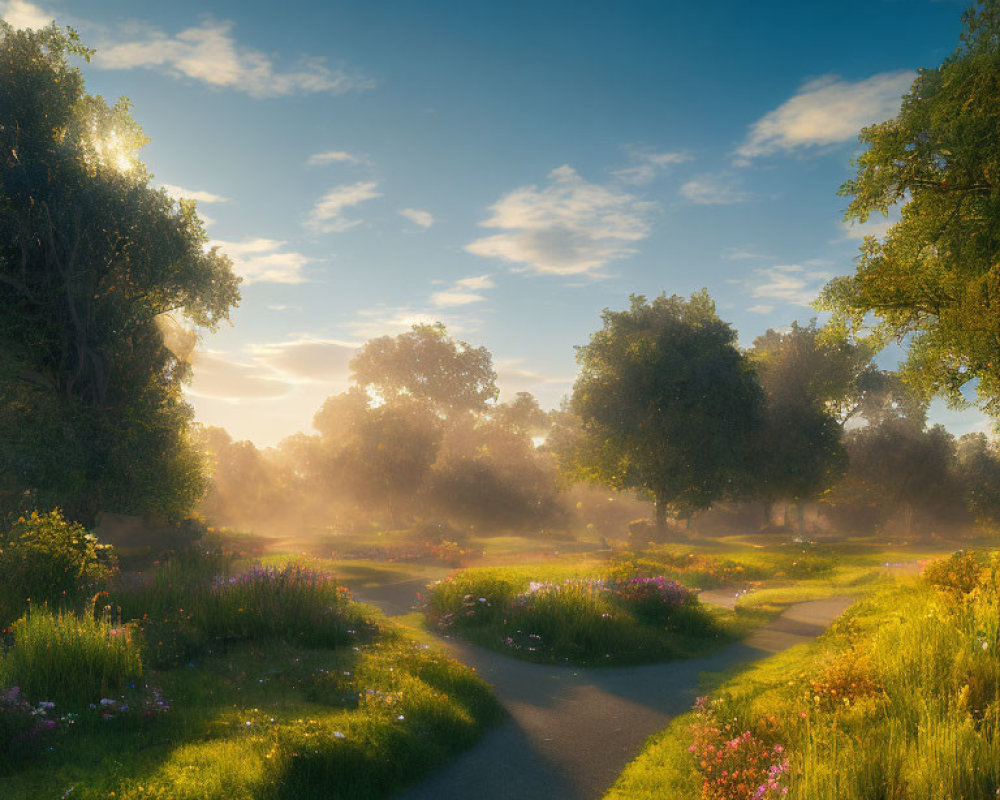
(899, 699)
(216, 678)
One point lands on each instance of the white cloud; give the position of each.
(422, 218)
(327, 215)
(209, 53)
(463, 292)
(568, 227)
(877, 227)
(333, 157)
(218, 376)
(761, 309)
(514, 377)
(308, 358)
(713, 190)
(264, 261)
(825, 111)
(179, 192)
(20, 14)
(476, 282)
(648, 165)
(791, 284)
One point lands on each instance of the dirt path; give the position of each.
(571, 730)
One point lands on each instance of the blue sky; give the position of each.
(509, 169)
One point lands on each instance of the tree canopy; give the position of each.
(427, 365)
(92, 258)
(668, 403)
(934, 282)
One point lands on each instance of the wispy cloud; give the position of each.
(568, 227)
(264, 261)
(418, 217)
(513, 377)
(648, 165)
(327, 215)
(825, 111)
(713, 190)
(742, 253)
(20, 14)
(179, 193)
(760, 309)
(790, 284)
(308, 358)
(463, 292)
(219, 376)
(210, 54)
(334, 157)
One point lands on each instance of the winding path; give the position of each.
(571, 730)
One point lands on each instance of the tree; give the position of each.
(668, 404)
(978, 465)
(91, 257)
(427, 365)
(934, 281)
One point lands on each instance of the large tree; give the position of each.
(934, 281)
(92, 259)
(668, 403)
(425, 364)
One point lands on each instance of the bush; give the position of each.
(50, 561)
(69, 659)
(959, 574)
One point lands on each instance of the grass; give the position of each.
(577, 618)
(272, 721)
(70, 659)
(900, 699)
(263, 683)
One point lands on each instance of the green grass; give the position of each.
(346, 723)
(574, 617)
(268, 683)
(70, 659)
(900, 700)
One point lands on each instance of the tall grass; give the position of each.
(899, 700)
(581, 620)
(69, 659)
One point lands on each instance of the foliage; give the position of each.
(49, 561)
(901, 467)
(935, 279)
(427, 365)
(70, 659)
(93, 260)
(960, 573)
(978, 465)
(668, 404)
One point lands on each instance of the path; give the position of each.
(571, 731)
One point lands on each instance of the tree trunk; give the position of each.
(766, 515)
(661, 518)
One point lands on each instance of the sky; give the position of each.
(509, 169)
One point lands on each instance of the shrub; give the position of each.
(50, 561)
(959, 574)
(70, 659)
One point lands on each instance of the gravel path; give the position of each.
(572, 730)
